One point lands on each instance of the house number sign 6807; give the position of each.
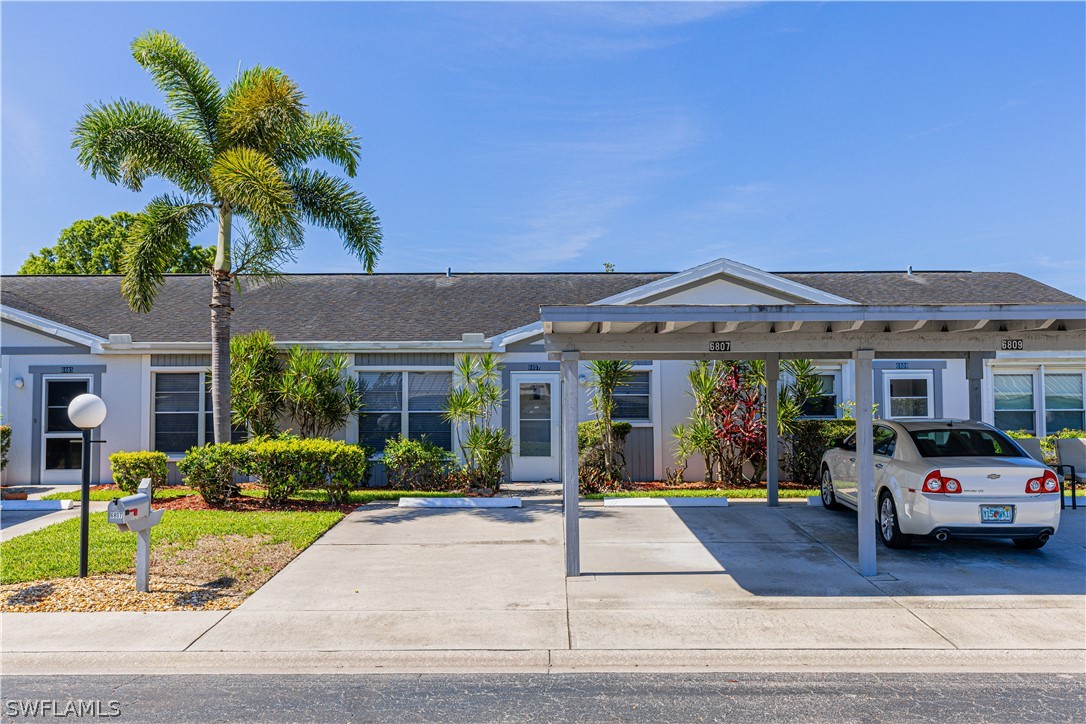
(720, 346)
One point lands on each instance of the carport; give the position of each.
(773, 332)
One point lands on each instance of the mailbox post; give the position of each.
(133, 513)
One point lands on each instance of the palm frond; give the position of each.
(167, 223)
(262, 109)
(126, 142)
(329, 202)
(321, 135)
(192, 92)
(260, 252)
(249, 180)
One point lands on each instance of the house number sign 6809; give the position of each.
(1012, 345)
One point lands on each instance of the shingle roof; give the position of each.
(934, 287)
(317, 307)
(406, 307)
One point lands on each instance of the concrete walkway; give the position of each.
(739, 588)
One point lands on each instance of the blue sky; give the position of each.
(525, 137)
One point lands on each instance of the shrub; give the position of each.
(417, 464)
(317, 391)
(129, 468)
(1048, 442)
(256, 371)
(287, 465)
(5, 445)
(210, 470)
(593, 466)
(470, 407)
(809, 439)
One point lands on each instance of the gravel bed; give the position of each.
(218, 573)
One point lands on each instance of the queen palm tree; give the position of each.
(237, 157)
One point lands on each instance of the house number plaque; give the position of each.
(1012, 345)
(720, 346)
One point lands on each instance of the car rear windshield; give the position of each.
(949, 442)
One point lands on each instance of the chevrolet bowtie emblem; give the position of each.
(994, 476)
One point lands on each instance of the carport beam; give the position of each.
(772, 438)
(570, 484)
(865, 461)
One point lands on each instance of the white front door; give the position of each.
(62, 442)
(536, 426)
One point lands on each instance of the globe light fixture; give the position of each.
(86, 412)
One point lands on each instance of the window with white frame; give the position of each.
(1063, 401)
(182, 416)
(908, 395)
(403, 403)
(824, 404)
(632, 398)
(1014, 405)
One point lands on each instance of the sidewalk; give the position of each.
(743, 588)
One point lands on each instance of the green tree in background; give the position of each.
(96, 246)
(237, 157)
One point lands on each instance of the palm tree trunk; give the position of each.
(220, 331)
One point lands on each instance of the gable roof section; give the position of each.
(434, 307)
(788, 290)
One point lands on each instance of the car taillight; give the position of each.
(936, 483)
(1047, 483)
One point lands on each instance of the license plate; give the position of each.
(997, 514)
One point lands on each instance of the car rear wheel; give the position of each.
(1030, 544)
(889, 532)
(829, 499)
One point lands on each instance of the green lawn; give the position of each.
(737, 493)
(108, 495)
(53, 552)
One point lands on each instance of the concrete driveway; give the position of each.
(745, 577)
(745, 588)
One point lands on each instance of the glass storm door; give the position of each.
(62, 442)
(536, 426)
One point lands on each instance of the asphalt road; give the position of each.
(839, 697)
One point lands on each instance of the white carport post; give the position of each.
(865, 461)
(571, 490)
(772, 439)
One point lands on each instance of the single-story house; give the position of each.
(64, 335)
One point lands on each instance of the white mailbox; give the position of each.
(133, 513)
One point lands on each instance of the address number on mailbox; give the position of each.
(720, 346)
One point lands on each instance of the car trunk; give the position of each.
(988, 475)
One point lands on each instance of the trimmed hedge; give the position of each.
(810, 439)
(418, 465)
(210, 470)
(283, 466)
(129, 468)
(588, 433)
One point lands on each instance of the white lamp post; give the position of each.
(86, 412)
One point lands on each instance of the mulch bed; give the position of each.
(245, 504)
(658, 485)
